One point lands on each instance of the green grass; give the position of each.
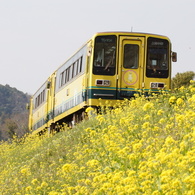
(140, 147)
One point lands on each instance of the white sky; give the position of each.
(37, 36)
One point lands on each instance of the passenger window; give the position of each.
(71, 70)
(75, 69)
(80, 62)
(62, 75)
(131, 56)
(67, 75)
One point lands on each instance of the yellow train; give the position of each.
(111, 66)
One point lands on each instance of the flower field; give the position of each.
(143, 146)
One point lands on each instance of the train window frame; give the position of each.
(62, 78)
(75, 68)
(134, 57)
(81, 63)
(77, 71)
(104, 58)
(40, 98)
(78, 66)
(71, 72)
(67, 77)
(153, 63)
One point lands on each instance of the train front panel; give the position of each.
(123, 64)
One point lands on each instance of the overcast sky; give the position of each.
(37, 36)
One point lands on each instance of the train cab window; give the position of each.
(157, 58)
(105, 55)
(131, 56)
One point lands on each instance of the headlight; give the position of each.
(157, 85)
(102, 82)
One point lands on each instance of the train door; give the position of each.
(131, 60)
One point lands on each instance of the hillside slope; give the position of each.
(141, 147)
(12, 111)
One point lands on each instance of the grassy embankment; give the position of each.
(141, 147)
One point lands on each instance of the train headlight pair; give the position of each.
(102, 82)
(157, 85)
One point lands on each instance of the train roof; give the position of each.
(129, 33)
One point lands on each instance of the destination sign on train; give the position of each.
(157, 43)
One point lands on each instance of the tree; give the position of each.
(182, 79)
(13, 113)
(12, 126)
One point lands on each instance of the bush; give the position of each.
(182, 79)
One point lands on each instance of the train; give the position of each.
(110, 66)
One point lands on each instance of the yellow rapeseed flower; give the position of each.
(54, 193)
(160, 112)
(25, 171)
(44, 184)
(148, 106)
(34, 181)
(179, 102)
(67, 167)
(172, 99)
(89, 109)
(146, 125)
(28, 188)
(192, 90)
(93, 163)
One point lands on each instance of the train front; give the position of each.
(123, 64)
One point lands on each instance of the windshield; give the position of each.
(105, 55)
(157, 58)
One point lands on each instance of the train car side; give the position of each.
(38, 109)
(62, 97)
(70, 88)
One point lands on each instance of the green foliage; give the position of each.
(12, 100)
(12, 126)
(182, 79)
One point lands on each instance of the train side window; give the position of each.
(71, 71)
(80, 62)
(62, 75)
(36, 102)
(131, 56)
(39, 99)
(75, 69)
(67, 74)
(43, 95)
(77, 62)
(78, 66)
